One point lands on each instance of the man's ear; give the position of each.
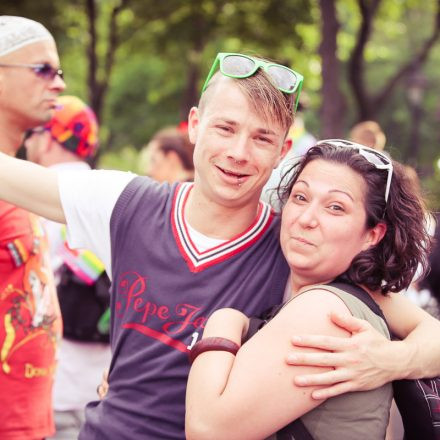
(193, 124)
(287, 145)
(375, 235)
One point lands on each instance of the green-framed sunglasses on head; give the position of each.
(239, 66)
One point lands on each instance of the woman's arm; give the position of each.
(252, 395)
(367, 360)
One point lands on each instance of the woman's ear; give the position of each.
(375, 235)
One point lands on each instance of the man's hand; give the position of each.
(102, 388)
(362, 362)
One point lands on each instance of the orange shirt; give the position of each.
(30, 326)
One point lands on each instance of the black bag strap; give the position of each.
(360, 294)
(296, 429)
(364, 296)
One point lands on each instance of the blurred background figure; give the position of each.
(30, 319)
(67, 142)
(168, 157)
(425, 292)
(301, 141)
(368, 133)
(430, 285)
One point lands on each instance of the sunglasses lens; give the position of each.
(237, 66)
(45, 71)
(283, 78)
(375, 158)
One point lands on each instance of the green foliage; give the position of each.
(125, 159)
(166, 48)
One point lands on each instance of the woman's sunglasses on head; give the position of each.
(376, 158)
(240, 66)
(43, 70)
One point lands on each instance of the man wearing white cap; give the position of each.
(30, 324)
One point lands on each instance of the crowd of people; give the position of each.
(193, 252)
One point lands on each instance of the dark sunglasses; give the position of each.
(44, 70)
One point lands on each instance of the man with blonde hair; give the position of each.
(30, 323)
(178, 252)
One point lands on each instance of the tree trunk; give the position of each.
(416, 86)
(93, 59)
(98, 88)
(356, 67)
(370, 104)
(333, 103)
(191, 93)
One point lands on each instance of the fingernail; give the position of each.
(296, 338)
(292, 358)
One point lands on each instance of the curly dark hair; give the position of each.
(391, 264)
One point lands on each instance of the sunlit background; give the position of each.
(140, 64)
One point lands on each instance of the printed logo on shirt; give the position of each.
(29, 312)
(174, 321)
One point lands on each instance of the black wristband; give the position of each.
(212, 344)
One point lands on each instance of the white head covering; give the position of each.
(17, 32)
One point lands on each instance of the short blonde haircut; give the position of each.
(265, 99)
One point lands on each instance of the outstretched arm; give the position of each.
(368, 360)
(224, 392)
(31, 187)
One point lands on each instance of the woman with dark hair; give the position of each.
(350, 214)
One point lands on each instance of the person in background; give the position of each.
(369, 134)
(431, 282)
(67, 142)
(30, 320)
(422, 291)
(169, 155)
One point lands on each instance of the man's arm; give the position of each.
(367, 359)
(31, 187)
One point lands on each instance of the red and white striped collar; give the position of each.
(198, 261)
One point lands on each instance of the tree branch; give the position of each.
(333, 104)
(356, 62)
(417, 61)
(91, 51)
(100, 87)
